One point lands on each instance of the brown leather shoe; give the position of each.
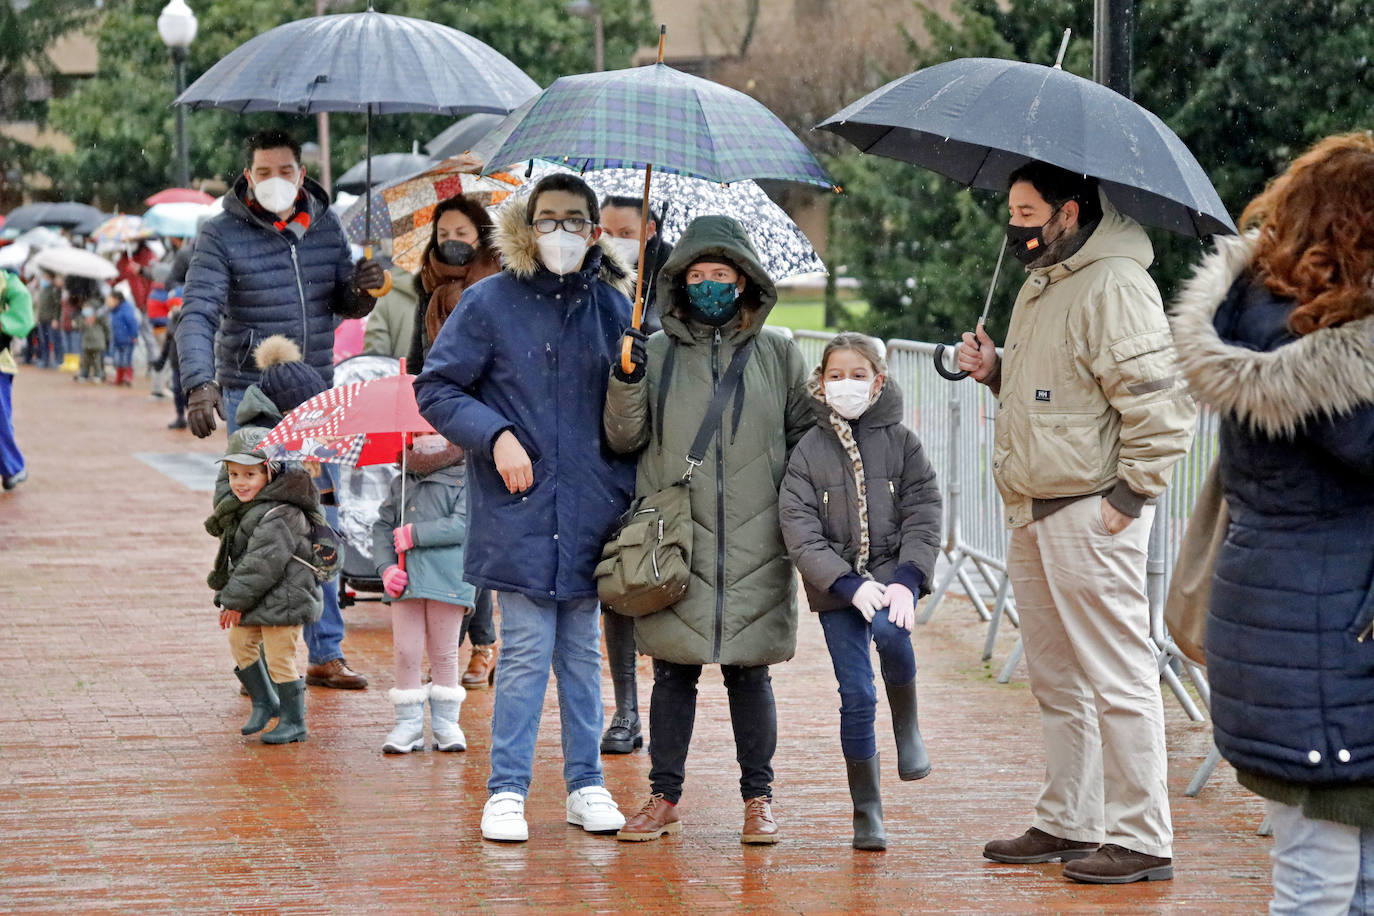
(1035, 845)
(1113, 864)
(481, 668)
(657, 818)
(336, 674)
(759, 826)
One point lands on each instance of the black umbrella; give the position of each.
(69, 214)
(366, 63)
(461, 136)
(380, 170)
(977, 119)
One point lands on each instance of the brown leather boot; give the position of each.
(336, 674)
(481, 668)
(1035, 845)
(759, 826)
(1113, 864)
(657, 818)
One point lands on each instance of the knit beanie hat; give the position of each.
(286, 380)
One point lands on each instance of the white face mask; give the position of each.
(428, 444)
(275, 194)
(562, 251)
(849, 397)
(628, 249)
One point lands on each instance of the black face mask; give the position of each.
(455, 254)
(1028, 242)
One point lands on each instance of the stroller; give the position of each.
(359, 493)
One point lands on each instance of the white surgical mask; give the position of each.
(562, 251)
(849, 397)
(275, 194)
(628, 249)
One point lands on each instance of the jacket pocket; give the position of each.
(1063, 455)
(1146, 362)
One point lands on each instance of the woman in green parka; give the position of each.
(740, 608)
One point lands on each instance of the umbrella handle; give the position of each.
(626, 363)
(385, 288)
(940, 365)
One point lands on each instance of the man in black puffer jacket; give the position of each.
(274, 262)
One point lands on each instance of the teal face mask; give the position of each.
(714, 301)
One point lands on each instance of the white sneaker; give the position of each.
(503, 818)
(593, 809)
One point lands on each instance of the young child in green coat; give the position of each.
(264, 581)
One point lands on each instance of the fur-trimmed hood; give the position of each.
(515, 240)
(1317, 376)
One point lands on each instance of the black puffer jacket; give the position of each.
(819, 502)
(248, 281)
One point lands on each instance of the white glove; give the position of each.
(902, 604)
(869, 598)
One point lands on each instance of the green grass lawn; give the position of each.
(807, 312)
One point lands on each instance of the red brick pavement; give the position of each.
(124, 784)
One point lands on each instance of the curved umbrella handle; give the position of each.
(385, 288)
(940, 365)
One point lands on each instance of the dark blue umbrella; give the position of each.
(976, 120)
(69, 214)
(367, 63)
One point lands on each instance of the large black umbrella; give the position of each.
(461, 136)
(69, 214)
(977, 119)
(366, 63)
(380, 169)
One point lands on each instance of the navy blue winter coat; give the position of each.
(248, 281)
(529, 351)
(1292, 680)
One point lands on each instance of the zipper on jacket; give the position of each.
(720, 504)
(305, 318)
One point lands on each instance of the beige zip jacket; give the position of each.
(1090, 399)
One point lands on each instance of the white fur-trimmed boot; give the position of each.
(444, 705)
(409, 733)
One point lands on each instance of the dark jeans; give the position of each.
(124, 355)
(178, 396)
(672, 713)
(847, 635)
(480, 625)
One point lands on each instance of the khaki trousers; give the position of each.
(278, 645)
(1085, 621)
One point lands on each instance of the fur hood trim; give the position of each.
(515, 240)
(1318, 376)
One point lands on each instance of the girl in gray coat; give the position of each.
(861, 517)
(430, 598)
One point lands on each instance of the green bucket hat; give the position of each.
(243, 445)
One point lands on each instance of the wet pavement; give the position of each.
(125, 785)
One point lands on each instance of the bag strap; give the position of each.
(664, 381)
(724, 389)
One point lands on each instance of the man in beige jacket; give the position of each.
(1091, 418)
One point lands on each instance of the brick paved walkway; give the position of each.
(124, 784)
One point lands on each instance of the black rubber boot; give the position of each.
(259, 686)
(624, 734)
(291, 724)
(868, 803)
(912, 760)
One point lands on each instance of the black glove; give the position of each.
(367, 274)
(637, 338)
(202, 403)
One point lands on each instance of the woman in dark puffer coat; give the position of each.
(1276, 333)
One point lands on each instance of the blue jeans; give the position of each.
(71, 342)
(49, 344)
(231, 398)
(324, 637)
(535, 634)
(11, 460)
(847, 635)
(123, 355)
(1320, 867)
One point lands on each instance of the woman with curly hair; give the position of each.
(1276, 333)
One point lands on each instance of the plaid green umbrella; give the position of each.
(651, 118)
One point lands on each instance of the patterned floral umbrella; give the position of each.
(404, 209)
(119, 230)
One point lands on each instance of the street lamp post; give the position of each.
(585, 9)
(177, 26)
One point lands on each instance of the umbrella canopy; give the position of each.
(177, 220)
(385, 167)
(462, 135)
(405, 208)
(362, 62)
(976, 120)
(118, 230)
(68, 214)
(75, 262)
(42, 237)
(13, 256)
(656, 116)
(180, 196)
